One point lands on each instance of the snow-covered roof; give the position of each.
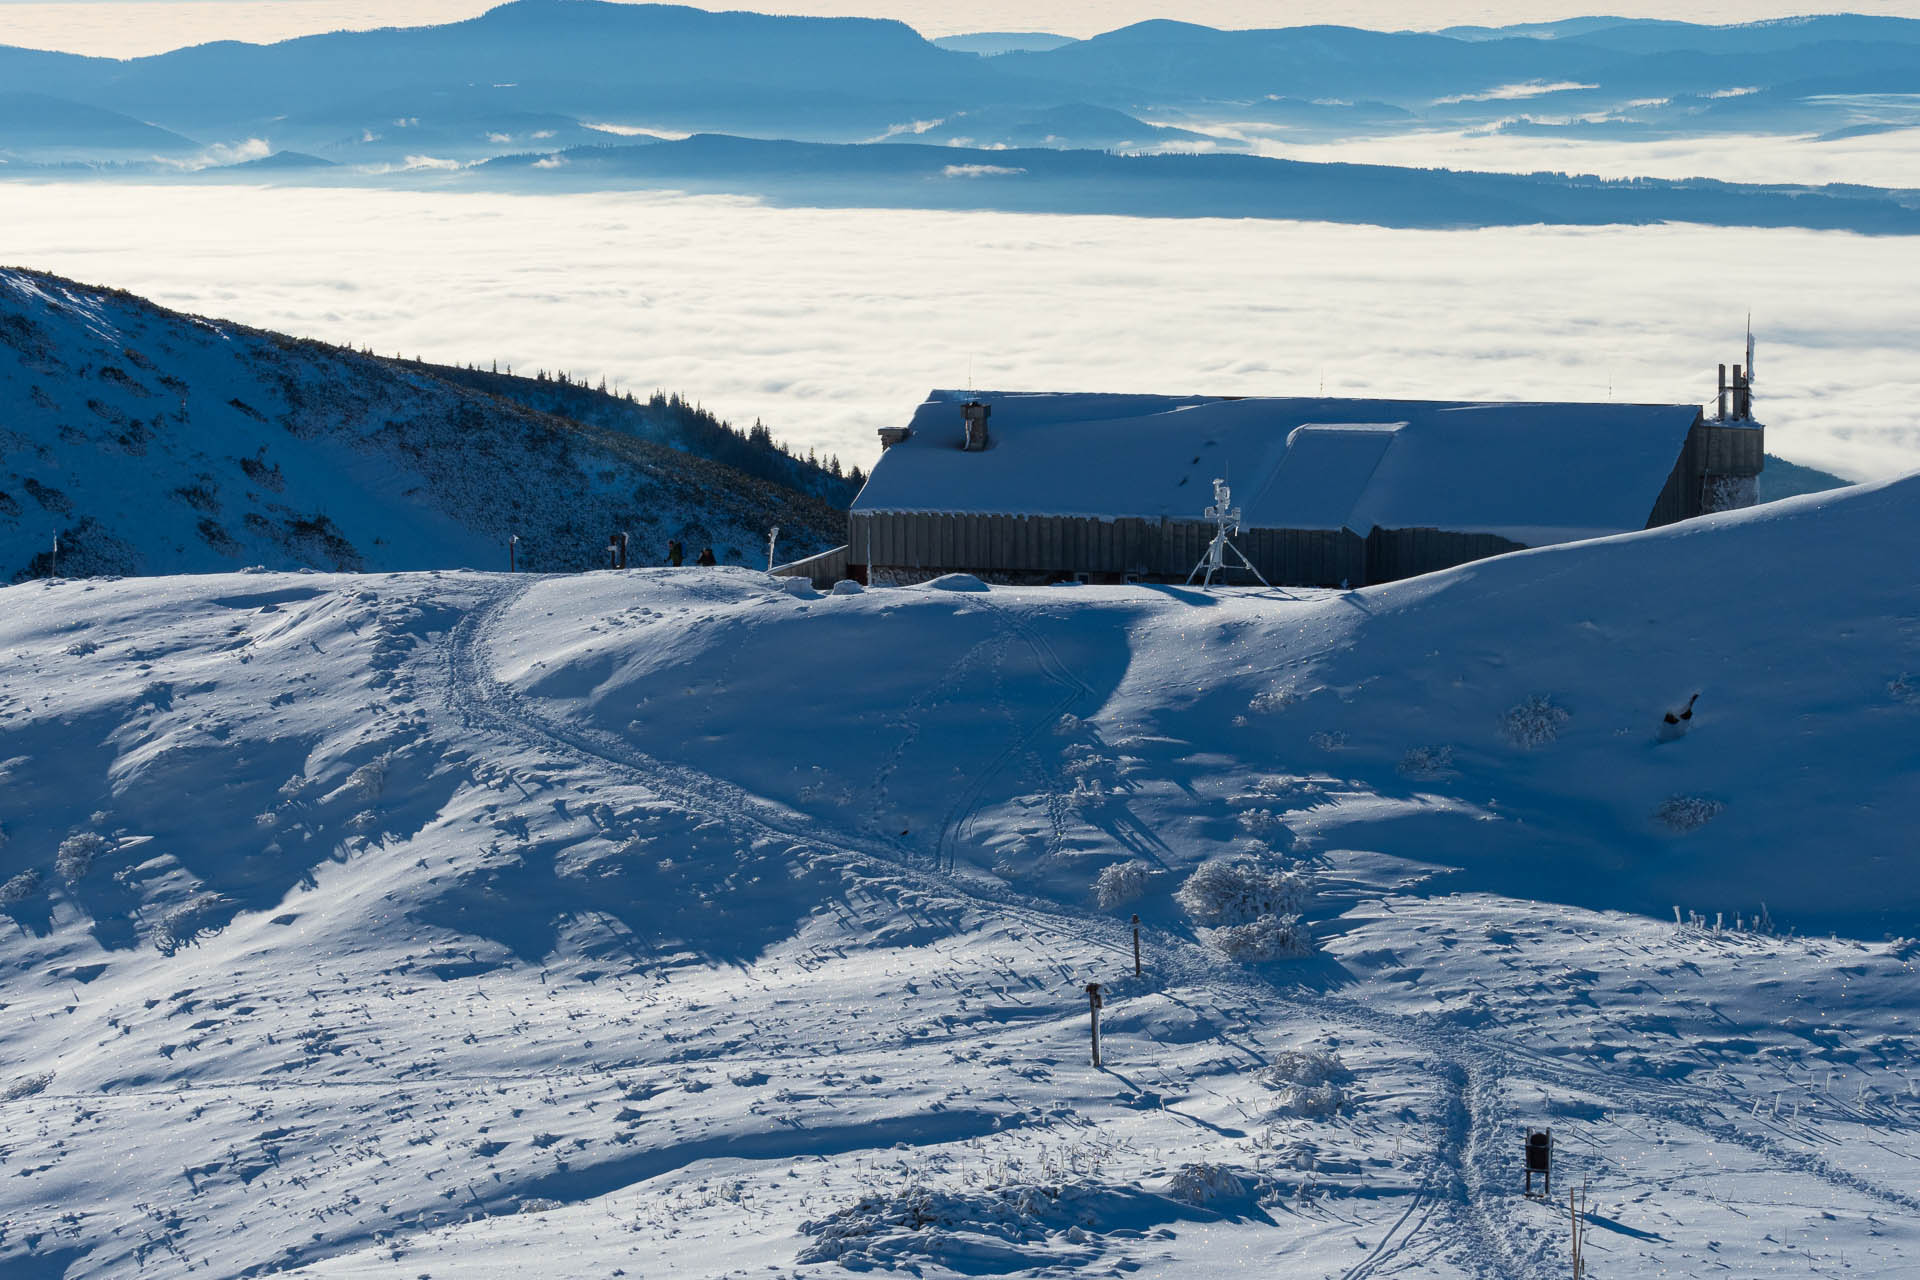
(1533, 473)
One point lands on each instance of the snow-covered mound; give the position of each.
(675, 924)
(153, 442)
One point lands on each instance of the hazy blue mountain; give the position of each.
(1074, 126)
(41, 126)
(537, 74)
(989, 43)
(1053, 181)
(281, 162)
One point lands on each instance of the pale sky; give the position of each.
(123, 28)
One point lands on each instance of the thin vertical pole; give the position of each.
(1093, 1013)
(1136, 946)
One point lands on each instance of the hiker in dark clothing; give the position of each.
(675, 553)
(706, 557)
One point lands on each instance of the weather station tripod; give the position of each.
(1226, 523)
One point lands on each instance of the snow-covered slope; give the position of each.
(687, 923)
(153, 442)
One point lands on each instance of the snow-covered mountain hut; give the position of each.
(1113, 487)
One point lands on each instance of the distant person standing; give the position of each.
(676, 554)
(706, 557)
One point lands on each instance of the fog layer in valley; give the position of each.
(831, 323)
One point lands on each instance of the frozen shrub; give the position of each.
(1904, 688)
(1239, 890)
(26, 1087)
(1310, 1082)
(1260, 822)
(1264, 938)
(1200, 1184)
(20, 888)
(77, 853)
(1253, 913)
(184, 924)
(1273, 700)
(1121, 883)
(1329, 740)
(1686, 813)
(1427, 762)
(1535, 722)
(538, 1204)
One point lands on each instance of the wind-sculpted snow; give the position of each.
(672, 923)
(152, 442)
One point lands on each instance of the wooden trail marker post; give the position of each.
(512, 542)
(1136, 946)
(1093, 1012)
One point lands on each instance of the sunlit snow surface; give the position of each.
(673, 923)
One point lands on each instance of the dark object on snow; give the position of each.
(1686, 713)
(676, 554)
(1540, 1159)
(1136, 945)
(1676, 723)
(706, 557)
(1094, 1002)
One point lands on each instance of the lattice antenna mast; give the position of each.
(1749, 395)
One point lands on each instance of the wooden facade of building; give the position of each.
(937, 514)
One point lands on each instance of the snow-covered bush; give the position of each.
(77, 853)
(1252, 912)
(1270, 702)
(1329, 740)
(1310, 1082)
(184, 923)
(1427, 762)
(26, 1087)
(1904, 687)
(1239, 890)
(1535, 722)
(1686, 813)
(20, 888)
(1261, 822)
(1266, 938)
(904, 1229)
(1202, 1184)
(1121, 883)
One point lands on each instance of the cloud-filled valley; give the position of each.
(828, 324)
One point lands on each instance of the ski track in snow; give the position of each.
(946, 990)
(484, 703)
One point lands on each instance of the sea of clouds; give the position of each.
(828, 324)
(127, 28)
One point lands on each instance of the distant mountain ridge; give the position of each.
(148, 441)
(1044, 180)
(493, 83)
